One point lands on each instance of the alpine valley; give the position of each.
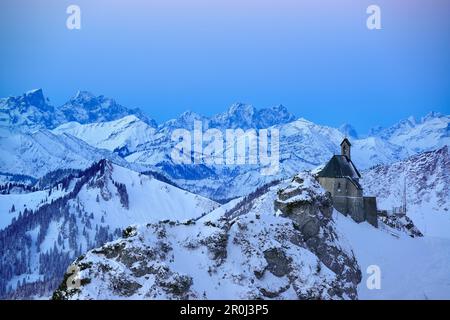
(91, 184)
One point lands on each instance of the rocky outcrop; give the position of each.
(310, 208)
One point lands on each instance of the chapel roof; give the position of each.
(340, 166)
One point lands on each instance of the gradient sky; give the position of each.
(316, 57)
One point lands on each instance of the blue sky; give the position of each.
(316, 57)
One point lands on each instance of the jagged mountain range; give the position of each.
(33, 110)
(91, 127)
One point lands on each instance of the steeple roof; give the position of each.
(346, 140)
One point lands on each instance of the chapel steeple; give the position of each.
(345, 148)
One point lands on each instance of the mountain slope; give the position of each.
(303, 145)
(37, 153)
(411, 268)
(93, 208)
(253, 250)
(257, 255)
(427, 179)
(123, 135)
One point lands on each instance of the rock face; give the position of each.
(256, 255)
(310, 207)
(305, 204)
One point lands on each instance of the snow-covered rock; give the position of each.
(410, 267)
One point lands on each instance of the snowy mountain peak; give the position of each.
(27, 112)
(185, 121)
(88, 100)
(85, 107)
(31, 110)
(190, 116)
(239, 115)
(348, 130)
(432, 132)
(433, 115)
(246, 116)
(412, 120)
(35, 97)
(240, 108)
(83, 95)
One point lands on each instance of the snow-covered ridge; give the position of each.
(80, 213)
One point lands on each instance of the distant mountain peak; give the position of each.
(190, 115)
(35, 98)
(348, 130)
(85, 107)
(83, 95)
(35, 92)
(87, 100)
(246, 116)
(432, 115)
(411, 119)
(240, 107)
